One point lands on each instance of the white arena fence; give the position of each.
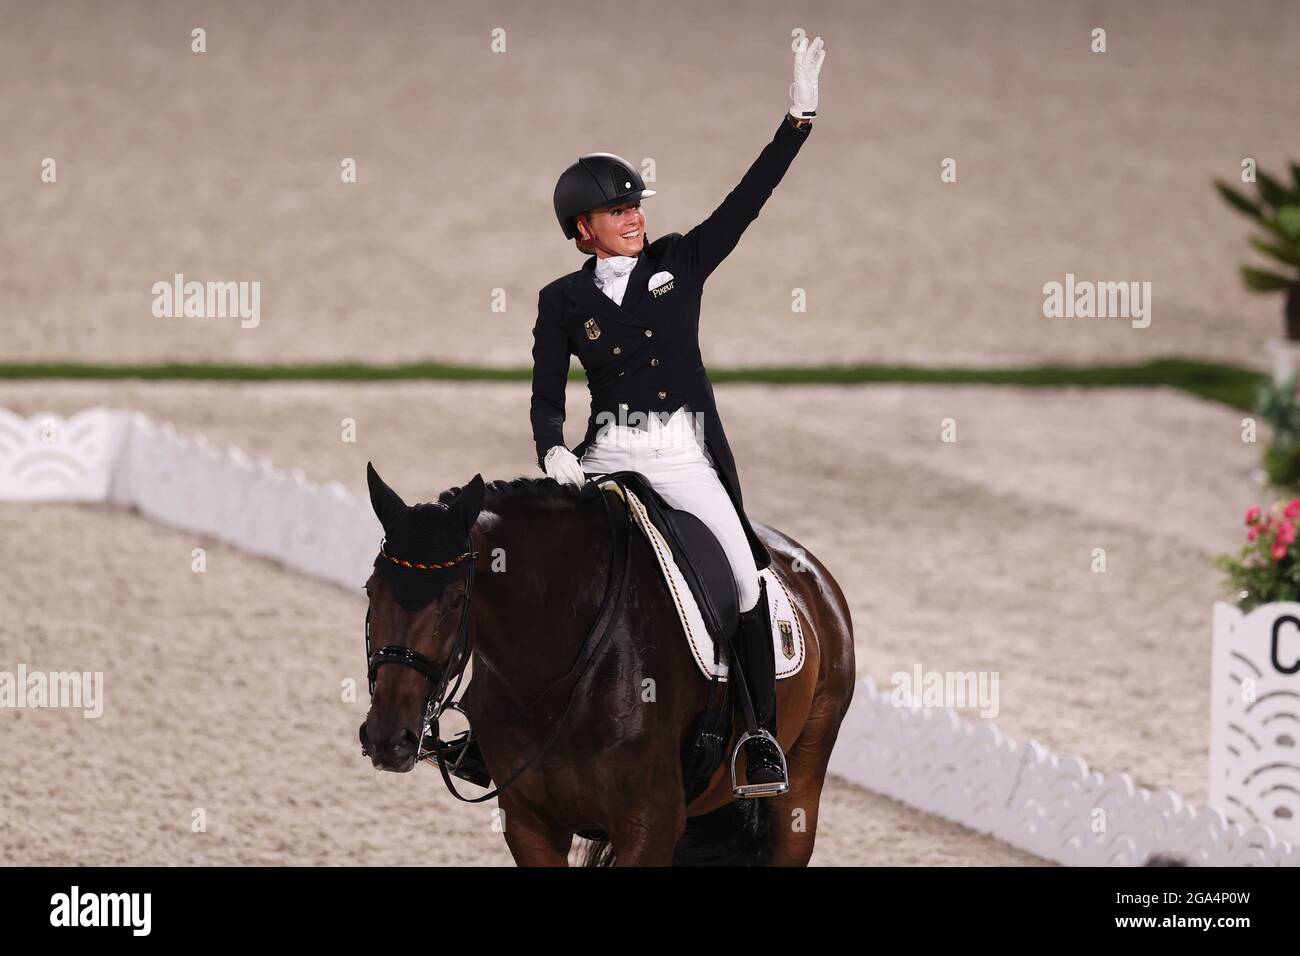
(930, 759)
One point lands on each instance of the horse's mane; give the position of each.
(538, 490)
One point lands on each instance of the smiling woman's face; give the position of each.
(615, 230)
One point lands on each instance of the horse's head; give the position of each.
(418, 597)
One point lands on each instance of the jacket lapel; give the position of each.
(592, 299)
(636, 283)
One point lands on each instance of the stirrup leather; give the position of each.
(751, 790)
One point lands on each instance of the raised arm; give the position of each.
(705, 246)
(550, 374)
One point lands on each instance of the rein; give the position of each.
(439, 700)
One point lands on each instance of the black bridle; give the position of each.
(439, 699)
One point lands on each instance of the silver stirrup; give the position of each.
(759, 789)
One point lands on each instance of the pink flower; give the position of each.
(1292, 508)
(1252, 534)
(1286, 533)
(1278, 551)
(1252, 514)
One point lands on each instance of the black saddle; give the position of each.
(698, 554)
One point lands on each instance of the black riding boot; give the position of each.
(753, 646)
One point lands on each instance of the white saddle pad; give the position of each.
(787, 632)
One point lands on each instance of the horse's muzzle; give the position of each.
(396, 754)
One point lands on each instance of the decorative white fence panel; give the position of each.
(930, 759)
(48, 458)
(1024, 794)
(125, 458)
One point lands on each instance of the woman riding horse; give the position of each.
(631, 315)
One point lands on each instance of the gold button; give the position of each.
(654, 361)
(663, 395)
(618, 350)
(649, 334)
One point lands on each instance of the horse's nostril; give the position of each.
(406, 741)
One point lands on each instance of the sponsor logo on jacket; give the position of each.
(660, 283)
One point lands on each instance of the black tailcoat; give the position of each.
(645, 354)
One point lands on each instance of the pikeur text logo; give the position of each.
(102, 909)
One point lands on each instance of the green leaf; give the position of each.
(1288, 254)
(1273, 192)
(1257, 280)
(1295, 174)
(1288, 217)
(1238, 200)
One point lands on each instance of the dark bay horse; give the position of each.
(611, 750)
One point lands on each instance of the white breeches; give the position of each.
(674, 460)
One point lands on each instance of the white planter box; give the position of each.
(1255, 717)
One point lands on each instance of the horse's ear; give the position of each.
(384, 500)
(468, 502)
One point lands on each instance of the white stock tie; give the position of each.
(612, 274)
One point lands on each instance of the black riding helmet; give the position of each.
(595, 180)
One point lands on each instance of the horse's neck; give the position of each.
(533, 566)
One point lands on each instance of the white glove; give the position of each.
(807, 67)
(563, 466)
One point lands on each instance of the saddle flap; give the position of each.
(708, 572)
(699, 557)
(690, 596)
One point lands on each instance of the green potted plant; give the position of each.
(1279, 405)
(1277, 212)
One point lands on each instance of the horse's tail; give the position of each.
(734, 835)
(595, 850)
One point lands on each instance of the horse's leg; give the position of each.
(793, 818)
(532, 840)
(647, 835)
(794, 814)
